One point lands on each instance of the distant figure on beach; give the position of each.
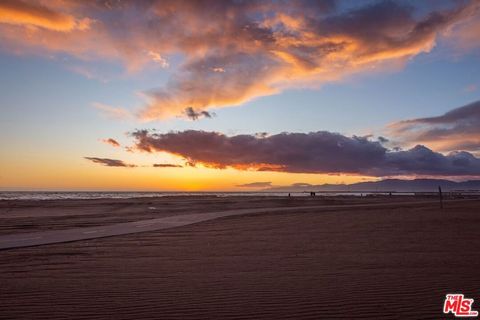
(289, 195)
(312, 194)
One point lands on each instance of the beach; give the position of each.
(311, 258)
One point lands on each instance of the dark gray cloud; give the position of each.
(256, 185)
(421, 160)
(110, 162)
(383, 139)
(458, 129)
(315, 152)
(195, 115)
(167, 165)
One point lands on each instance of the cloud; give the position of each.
(111, 142)
(190, 164)
(167, 165)
(420, 160)
(111, 112)
(89, 72)
(159, 59)
(233, 51)
(465, 35)
(256, 185)
(31, 14)
(315, 152)
(471, 88)
(110, 162)
(301, 185)
(458, 129)
(195, 115)
(382, 139)
(218, 69)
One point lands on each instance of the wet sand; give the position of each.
(393, 262)
(24, 216)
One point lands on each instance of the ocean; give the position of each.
(52, 195)
(56, 195)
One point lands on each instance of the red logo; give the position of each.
(460, 306)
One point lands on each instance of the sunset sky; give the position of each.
(236, 95)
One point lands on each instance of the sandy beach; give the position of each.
(239, 160)
(375, 261)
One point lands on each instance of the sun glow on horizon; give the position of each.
(82, 176)
(177, 96)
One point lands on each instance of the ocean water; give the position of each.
(38, 195)
(56, 195)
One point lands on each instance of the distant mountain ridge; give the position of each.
(416, 185)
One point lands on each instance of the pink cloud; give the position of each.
(231, 51)
(111, 142)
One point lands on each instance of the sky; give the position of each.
(236, 95)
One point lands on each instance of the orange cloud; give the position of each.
(234, 51)
(287, 51)
(34, 14)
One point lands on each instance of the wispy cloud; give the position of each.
(458, 129)
(158, 59)
(111, 142)
(256, 48)
(471, 88)
(110, 162)
(315, 152)
(256, 185)
(111, 112)
(167, 165)
(89, 72)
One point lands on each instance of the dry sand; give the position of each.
(373, 263)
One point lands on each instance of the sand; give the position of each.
(393, 262)
(32, 216)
